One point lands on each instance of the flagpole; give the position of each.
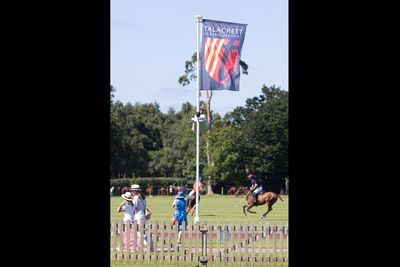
(199, 19)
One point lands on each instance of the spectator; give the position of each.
(287, 186)
(139, 203)
(112, 191)
(179, 213)
(127, 207)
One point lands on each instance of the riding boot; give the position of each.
(255, 198)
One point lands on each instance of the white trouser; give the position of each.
(258, 189)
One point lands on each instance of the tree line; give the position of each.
(146, 142)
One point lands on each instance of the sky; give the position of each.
(151, 40)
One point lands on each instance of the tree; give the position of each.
(135, 131)
(262, 136)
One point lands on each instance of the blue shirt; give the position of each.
(180, 211)
(180, 206)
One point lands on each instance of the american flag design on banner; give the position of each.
(221, 45)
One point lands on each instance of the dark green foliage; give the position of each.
(147, 142)
(147, 181)
(262, 136)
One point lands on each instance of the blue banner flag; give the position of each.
(221, 48)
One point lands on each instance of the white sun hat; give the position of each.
(127, 196)
(135, 187)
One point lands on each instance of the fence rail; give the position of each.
(227, 243)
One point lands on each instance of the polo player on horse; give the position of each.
(255, 187)
(192, 197)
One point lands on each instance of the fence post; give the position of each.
(190, 243)
(287, 243)
(203, 231)
(268, 232)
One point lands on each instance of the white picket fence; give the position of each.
(247, 243)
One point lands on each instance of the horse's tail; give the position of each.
(280, 197)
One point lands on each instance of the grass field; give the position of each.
(213, 208)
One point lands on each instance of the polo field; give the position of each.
(230, 236)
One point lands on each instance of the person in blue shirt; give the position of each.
(255, 187)
(179, 213)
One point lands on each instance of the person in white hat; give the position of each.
(127, 207)
(139, 203)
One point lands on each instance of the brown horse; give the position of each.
(163, 191)
(191, 202)
(268, 198)
(232, 190)
(242, 190)
(149, 190)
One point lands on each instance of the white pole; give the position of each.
(199, 19)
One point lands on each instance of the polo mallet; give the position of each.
(237, 205)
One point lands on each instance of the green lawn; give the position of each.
(213, 208)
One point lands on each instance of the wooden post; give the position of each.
(169, 243)
(114, 241)
(162, 240)
(148, 236)
(124, 240)
(281, 229)
(121, 230)
(135, 256)
(210, 246)
(190, 243)
(175, 231)
(183, 241)
(141, 256)
(231, 243)
(287, 243)
(253, 240)
(268, 231)
(155, 238)
(240, 243)
(260, 243)
(128, 241)
(246, 248)
(196, 230)
(219, 232)
(275, 227)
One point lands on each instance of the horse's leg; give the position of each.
(188, 207)
(194, 209)
(248, 209)
(265, 214)
(250, 204)
(244, 210)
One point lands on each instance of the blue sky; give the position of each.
(151, 40)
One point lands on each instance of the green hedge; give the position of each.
(146, 181)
